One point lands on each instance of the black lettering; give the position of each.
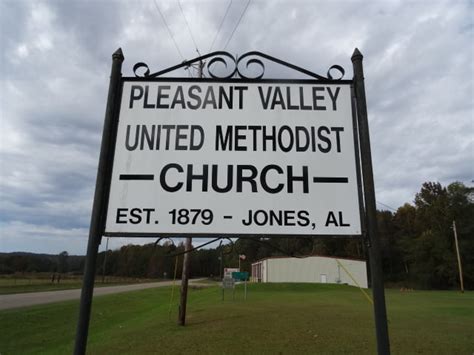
(316, 98)
(290, 137)
(163, 182)
(145, 99)
(214, 179)
(263, 179)
(221, 142)
(148, 212)
(333, 96)
(341, 221)
(158, 137)
(289, 218)
(241, 90)
(146, 137)
(133, 96)
(331, 219)
(239, 137)
(265, 100)
(300, 146)
(195, 143)
(274, 217)
(271, 137)
(278, 99)
(325, 139)
(180, 136)
(178, 98)
(127, 138)
(303, 218)
(168, 128)
(209, 98)
(249, 221)
(292, 178)
(224, 97)
(338, 138)
(196, 98)
(254, 130)
(190, 177)
(263, 221)
(288, 100)
(120, 215)
(135, 215)
(162, 96)
(250, 179)
(313, 139)
(302, 105)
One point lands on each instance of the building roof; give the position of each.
(309, 256)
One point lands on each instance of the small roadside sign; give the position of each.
(228, 282)
(229, 270)
(241, 276)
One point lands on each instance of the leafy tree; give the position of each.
(425, 234)
(404, 235)
(63, 265)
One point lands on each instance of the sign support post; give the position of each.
(323, 160)
(102, 188)
(245, 287)
(380, 312)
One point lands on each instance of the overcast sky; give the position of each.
(55, 65)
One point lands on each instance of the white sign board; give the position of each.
(206, 157)
(229, 270)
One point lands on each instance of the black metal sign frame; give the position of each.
(234, 65)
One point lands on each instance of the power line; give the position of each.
(238, 23)
(383, 204)
(189, 29)
(169, 31)
(220, 26)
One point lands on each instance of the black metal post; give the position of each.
(102, 186)
(380, 312)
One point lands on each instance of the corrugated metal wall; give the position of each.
(313, 269)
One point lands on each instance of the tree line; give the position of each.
(417, 246)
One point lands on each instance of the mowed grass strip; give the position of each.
(275, 319)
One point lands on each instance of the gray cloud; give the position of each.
(56, 62)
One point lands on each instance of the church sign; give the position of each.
(205, 157)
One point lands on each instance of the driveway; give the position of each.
(34, 298)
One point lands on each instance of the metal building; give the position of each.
(317, 269)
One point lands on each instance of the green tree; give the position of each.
(63, 264)
(428, 246)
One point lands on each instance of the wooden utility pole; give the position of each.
(187, 259)
(105, 260)
(184, 282)
(459, 256)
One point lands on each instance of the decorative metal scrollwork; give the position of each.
(237, 67)
(224, 58)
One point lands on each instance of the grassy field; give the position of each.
(37, 282)
(275, 319)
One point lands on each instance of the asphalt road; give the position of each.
(34, 298)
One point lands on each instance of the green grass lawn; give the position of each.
(275, 319)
